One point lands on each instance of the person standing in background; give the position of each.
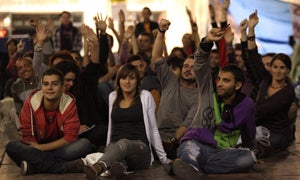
(67, 37)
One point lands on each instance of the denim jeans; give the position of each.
(134, 154)
(212, 160)
(48, 161)
(279, 141)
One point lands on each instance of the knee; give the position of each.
(247, 161)
(188, 150)
(85, 144)
(122, 143)
(13, 147)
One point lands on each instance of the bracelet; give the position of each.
(251, 38)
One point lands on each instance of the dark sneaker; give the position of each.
(75, 166)
(26, 169)
(118, 170)
(183, 170)
(93, 172)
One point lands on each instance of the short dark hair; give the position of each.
(178, 49)
(134, 58)
(54, 71)
(150, 35)
(15, 41)
(270, 54)
(175, 61)
(63, 54)
(147, 8)
(68, 66)
(65, 12)
(236, 71)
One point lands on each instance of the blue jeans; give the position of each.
(279, 141)
(212, 160)
(134, 154)
(48, 161)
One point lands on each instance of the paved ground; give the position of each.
(282, 166)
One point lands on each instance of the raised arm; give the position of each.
(203, 116)
(121, 24)
(112, 27)
(86, 58)
(125, 46)
(224, 10)
(159, 41)
(194, 27)
(212, 15)
(38, 66)
(102, 37)
(133, 40)
(92, 44)
(253, 21)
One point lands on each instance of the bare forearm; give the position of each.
(180, 132)
(135, 47)
(158, 47)
(106, 77)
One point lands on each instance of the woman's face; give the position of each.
(129, 83)
(11, 47)
(279, 71)
(69, 81)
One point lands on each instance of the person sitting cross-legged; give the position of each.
(209, 144)
(49, 131)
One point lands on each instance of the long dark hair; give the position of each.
(123, 72)
(286, 60)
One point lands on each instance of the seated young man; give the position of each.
(209, 145)
(49, 130)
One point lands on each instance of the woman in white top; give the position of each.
(132, 128)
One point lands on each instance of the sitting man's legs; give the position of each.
(211, 160)
(47, 161)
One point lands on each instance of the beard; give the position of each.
(228, 93)
(189, 81)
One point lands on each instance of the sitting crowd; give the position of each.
(197, 110)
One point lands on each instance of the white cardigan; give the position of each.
(150, 124)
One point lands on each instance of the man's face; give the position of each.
(141, 66)
(187, 40)
(65, 19)
(52, 88)
(25, 69)
(214, 60)
(144, 43)
(187, 72)
(239, 59)
(226, 85)
(11, 47)
(146, 14)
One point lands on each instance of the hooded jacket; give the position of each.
(33, 122)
